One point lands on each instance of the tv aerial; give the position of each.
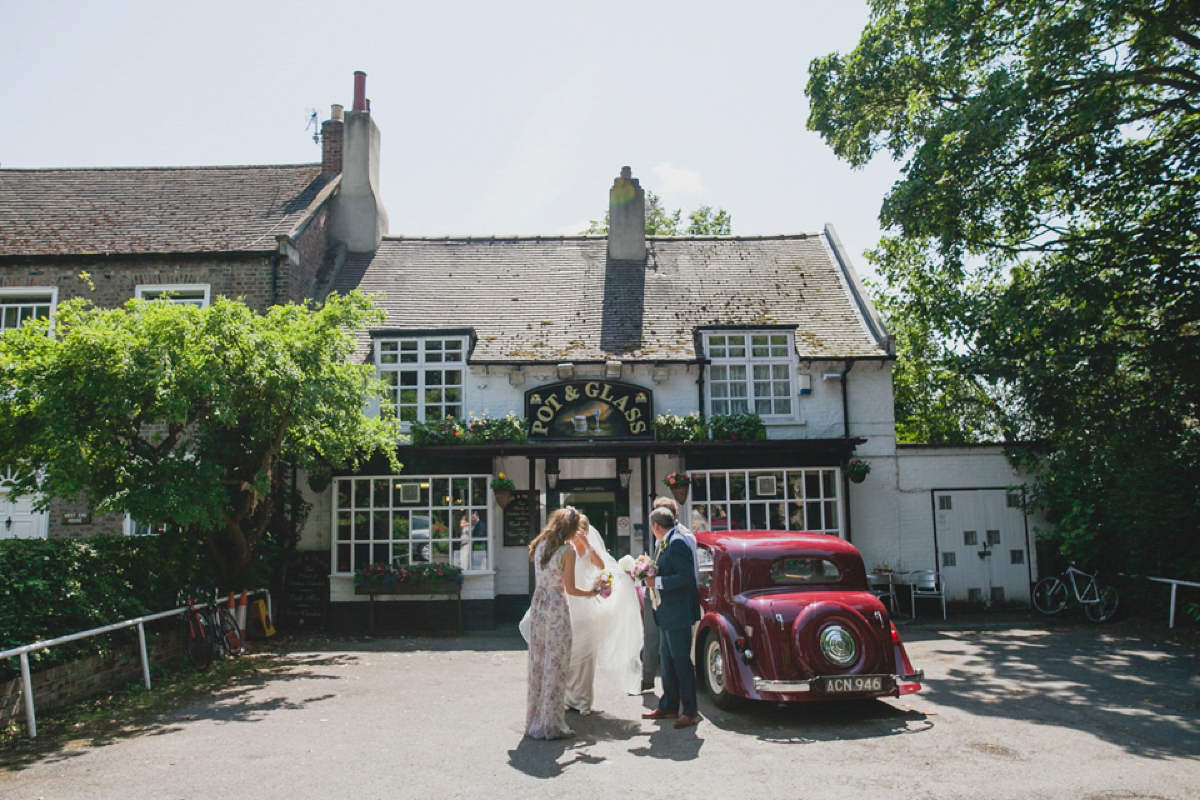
(312, 123)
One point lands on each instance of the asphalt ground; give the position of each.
(1012, 708)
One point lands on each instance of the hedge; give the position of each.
(53, 587)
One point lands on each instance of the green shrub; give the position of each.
(737, 427)
(55, 587)
(674, 428)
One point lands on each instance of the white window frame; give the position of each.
(726, 356)
(190, 294)
(369, 511)
(425, 356)
(805, 499)
(37, 296)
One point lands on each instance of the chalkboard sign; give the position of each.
(306, 592)
(521, 518)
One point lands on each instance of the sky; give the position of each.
(496, 117)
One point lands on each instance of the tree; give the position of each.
(1046, 224)
(704, 221)
(187, 417)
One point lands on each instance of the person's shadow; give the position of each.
(550, 758)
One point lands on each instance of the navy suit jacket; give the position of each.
(679, 597)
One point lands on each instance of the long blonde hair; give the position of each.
(559, 529)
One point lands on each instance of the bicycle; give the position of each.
(209, 630)
(1099, 601)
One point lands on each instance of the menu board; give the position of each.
(521, 518)
(306, 592)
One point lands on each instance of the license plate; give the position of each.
(851, 684)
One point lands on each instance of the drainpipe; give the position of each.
(846, 433)
(274, 279)
(647, 472)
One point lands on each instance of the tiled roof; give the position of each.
(150, 209)
(556, 299)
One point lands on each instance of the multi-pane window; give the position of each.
(184, 294)
(423, 377)
(783, 499)
(19, 305)
(405, 519)
(751, 372)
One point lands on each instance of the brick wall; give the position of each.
(298, 280)
(69, 683)
(115, 280)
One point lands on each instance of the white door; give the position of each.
(18, 519)
(983, 553)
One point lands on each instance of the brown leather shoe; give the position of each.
(658, 713)
(687, 720)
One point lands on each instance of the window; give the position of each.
(804, 570)
(751, 372)
(20, 304)
(406, 519)
(949, 559)
(704, 564)
(184, 294)
(423, 377)
(993, 537)
(970, 538)
(1013, 498)
(944, 502)
(765, 500)
(1016, 556)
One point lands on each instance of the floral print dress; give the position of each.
(549, 651)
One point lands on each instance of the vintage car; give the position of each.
(789, 617)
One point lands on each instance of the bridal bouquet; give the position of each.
(643, 568)
(604, 584)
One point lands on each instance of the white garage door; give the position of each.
(983, 546)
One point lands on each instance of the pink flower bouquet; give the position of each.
(604, 584)
(643, 568)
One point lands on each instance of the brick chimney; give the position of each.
(332, 131)
(626, 219)
(359, 218)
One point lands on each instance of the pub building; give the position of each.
(591, 340)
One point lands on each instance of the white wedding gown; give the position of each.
(606, 632)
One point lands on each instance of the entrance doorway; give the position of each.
(604, 502)
(984, 553)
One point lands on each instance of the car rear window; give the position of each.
(804, 569)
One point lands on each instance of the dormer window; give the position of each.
(424, 376)
(752, 372)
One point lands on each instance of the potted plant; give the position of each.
(503, 488)
(679, 483)
(856, 470)
(319, 477)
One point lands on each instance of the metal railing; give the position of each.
(1174, 586)
(24, 651)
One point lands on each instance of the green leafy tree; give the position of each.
(1046, 224)
(187, 417)
(661, 222)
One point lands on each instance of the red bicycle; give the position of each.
(209, 630)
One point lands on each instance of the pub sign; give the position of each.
(590, 410)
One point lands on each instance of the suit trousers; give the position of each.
(678, 674)
(649, 646)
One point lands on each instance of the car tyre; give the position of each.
(714, 671)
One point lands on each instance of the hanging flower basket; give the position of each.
(503, 487)
(503, 497)
(319, 478)
(680, 493)
(856, 470)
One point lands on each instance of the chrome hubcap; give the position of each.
(838, 646)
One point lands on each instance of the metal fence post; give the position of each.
(27, 682)
(145, 658)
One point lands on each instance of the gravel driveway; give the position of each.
(1010, 710)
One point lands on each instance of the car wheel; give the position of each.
(834, 639)
(714, 673)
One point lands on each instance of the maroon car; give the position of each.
(789, 617)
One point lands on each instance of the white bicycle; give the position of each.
(1099, 601)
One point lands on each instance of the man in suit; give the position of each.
(676, 600)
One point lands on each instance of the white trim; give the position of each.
(417, 362)
(36, 294)
(186, 292)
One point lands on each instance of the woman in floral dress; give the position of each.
(550, 626)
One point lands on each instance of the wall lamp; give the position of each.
(566, 372)
(551, 473)
(624, 472)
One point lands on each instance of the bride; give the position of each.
(606, 632)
